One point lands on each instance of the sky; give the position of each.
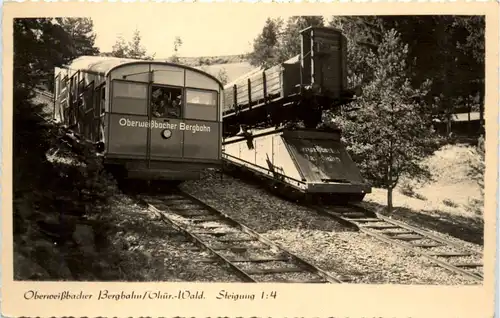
(205, 30)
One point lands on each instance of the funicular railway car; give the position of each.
(272, 120)
(151, 120)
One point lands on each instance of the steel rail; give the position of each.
(200, 242)
(222, 217)
(423, 233)
(264, 240)
(329, 211)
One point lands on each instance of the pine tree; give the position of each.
(177, 46)
(120, 48)
(290, 37)
(363, 36)
(278, 41)
(392, 131)
(40, 44)
(222, 76)
(266, 46)
(82, 35)
(135, 49)
(455, 65)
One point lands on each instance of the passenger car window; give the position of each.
(129, 98)
(201, 97)
(166, 101)
(201, 105)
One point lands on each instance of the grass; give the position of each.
(448, 204)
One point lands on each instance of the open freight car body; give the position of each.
(151, 119)
(300, 87)
(309, 160)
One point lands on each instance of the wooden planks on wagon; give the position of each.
(256, 86)
(323, 71)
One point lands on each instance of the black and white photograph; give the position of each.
(181, 145)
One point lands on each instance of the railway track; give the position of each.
(251, 256)
(440, 251)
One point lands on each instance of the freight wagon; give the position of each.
(297, 89)
(150, 119)
(272, 117)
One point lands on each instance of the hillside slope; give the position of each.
(448, 204)
(449, 167)
(233, 70)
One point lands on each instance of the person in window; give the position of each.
(174, 109)
(156, 98)
(158, 108)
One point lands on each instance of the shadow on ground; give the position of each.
(464, 228)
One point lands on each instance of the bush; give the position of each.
(59, 199)
(450, 203)
(408, 188)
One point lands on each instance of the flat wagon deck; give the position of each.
(261, 108)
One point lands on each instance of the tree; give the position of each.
(290, 37)
(455, 64)
(120, 48)
(266, 46)
(363, 30)
(222, 76)
(392, 129)
(177, 46)
(39, 45)
(363, 37)
(81, 33)
(278, 41)
(133, 49)
(474, 45)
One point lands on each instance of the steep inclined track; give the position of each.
(253, 257)
(442, 252)
(256, 259)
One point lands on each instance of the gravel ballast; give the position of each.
(357, 258)
(168, 252)
(351, 256)
(255, 207)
